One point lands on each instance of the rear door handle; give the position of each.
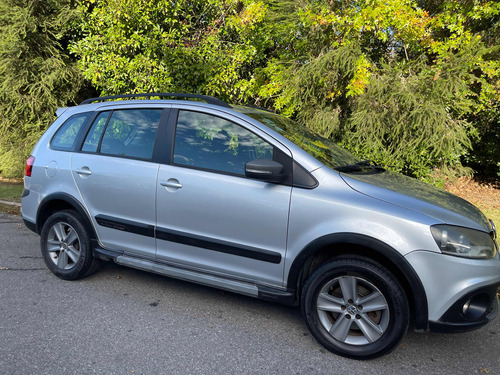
(85, 171)
(171, 184)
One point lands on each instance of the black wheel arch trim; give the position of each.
(419, 297)
(67, 198)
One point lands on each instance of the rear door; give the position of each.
(209, 215)
(116, 177)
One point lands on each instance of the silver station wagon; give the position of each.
(242, 199)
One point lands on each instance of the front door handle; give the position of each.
(85, 171)
(171, 184)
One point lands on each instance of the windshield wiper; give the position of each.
(362, 167)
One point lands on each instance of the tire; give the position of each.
(65, 245)
(363, 324)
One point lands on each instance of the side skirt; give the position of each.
(249, 289)
(209, 280)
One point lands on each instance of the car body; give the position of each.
(242, 199)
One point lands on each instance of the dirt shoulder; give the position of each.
(483, 194)
(14, 210)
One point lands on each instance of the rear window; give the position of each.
(65, 137)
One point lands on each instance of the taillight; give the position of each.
(29, 166)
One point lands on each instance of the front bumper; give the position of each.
(470, 312)
(461, 293)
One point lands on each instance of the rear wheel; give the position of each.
(65, 245)
(355, 307)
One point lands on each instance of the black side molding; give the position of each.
(189, 239)
(125, 225)
(217, 245)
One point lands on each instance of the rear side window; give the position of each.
(65, 137)
(129, 133)
(94, 135)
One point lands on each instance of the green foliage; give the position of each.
(410, 84)
(404, 119)
(135, 46)
(317, 92)
(36, 74)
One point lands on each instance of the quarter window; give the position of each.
(211, 142)
(67, 134)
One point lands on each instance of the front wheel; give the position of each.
(355, 307)
(65, 245)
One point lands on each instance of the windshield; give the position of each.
(321, 148)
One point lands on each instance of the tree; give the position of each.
(195, 46)
(37, 75)
(409, 84)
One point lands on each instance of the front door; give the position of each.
(211, 217)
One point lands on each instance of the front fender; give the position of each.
(377, 250)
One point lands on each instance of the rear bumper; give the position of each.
(31, 226)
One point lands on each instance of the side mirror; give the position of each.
(265, 170)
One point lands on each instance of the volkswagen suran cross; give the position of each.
(245, 200)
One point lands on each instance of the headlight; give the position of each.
(463, 242)
(493, 230)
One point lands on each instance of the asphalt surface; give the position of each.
(125, 321)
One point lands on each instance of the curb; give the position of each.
(9, 203)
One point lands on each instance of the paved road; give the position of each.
(124, 321)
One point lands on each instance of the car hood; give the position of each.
(418, 196)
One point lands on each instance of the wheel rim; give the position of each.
(352, 310)
(63, 245)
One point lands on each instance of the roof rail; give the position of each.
(206, 98)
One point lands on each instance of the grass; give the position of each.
(11, 190)
(491, 214)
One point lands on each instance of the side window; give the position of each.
(94, 135)
(65, 137)
(211, 142)
(129, 133)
